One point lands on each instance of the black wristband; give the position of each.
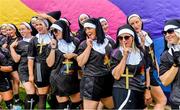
(53, 48)
(148, 88)
(175, 65)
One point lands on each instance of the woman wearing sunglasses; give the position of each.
(39, 72)
(96, 84)
(62, 58)
(170, 61)
(147, 45)
(128, 69)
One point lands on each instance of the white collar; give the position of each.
(45, 38)
(134, 57)
(65, 47)
(100, 47)
(148, 40)
(27, 39)
(175, 48)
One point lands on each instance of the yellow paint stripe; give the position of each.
(14, 11)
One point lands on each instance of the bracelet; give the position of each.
(148, 88)
(175, 65)
(53, 48)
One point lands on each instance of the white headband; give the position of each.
(83, 15)
(57, 27)
(169, 27)
(126, 31)
(89, 25)
(3, 25)
(46, 22)
(133, 15)
(102, 19)
(12, 26)
(27, 25)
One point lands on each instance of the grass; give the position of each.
(23, 95)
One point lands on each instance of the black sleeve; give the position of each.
(18, 48)
(32, 48)
(5, 60)
(165, 63)
(81, 47)
(76, 42)
(116, 57)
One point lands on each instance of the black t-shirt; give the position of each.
(138, 72)
(95, 65)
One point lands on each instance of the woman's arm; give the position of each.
(83, 57)
(168, 77)
(51, 57)
(16, 57)
(119, 69)
(6, 68)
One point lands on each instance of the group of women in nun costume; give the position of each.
(87, 69)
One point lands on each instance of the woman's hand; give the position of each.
(53, 43)
(142, 36)
(147, 97)
(89, 42)
(14, 44)
(126, 50)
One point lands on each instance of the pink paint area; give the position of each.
(71, 9)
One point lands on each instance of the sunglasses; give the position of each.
(169, 31)
(124, 37)
(54, 31)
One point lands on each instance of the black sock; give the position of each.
(63, 105)
(76, 105)
(53, 101)
(16, 99)
(42, 101)
(29, 101)
(9, 104)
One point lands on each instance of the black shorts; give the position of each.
(95, 88)
(42, 84)
(5, 84)
(23, 75)
(64, 85)
(128, 99)
(44, 73)
(153, 80)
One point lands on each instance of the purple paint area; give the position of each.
(153, 12)
(71, 9)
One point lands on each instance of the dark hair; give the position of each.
(66, 30)
(80, 33)
(99, 31)
(17, 31)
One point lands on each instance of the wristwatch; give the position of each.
(175, 65)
